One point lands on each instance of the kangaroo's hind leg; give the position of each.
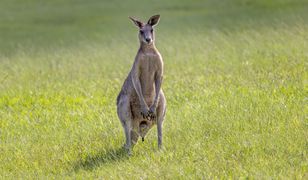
(125, 116)
(161, 112)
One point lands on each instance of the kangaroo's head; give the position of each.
(146, 32)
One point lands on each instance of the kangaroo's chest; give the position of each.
(148, 69)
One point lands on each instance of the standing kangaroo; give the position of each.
(141, 102)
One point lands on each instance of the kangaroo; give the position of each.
(141, 102)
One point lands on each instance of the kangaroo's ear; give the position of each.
(153, 20)
(137, 23)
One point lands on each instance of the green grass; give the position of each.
(235, 82)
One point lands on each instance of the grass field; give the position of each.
(235, 81)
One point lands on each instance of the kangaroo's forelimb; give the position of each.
(158, 82)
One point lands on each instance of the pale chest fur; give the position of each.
(150, 64)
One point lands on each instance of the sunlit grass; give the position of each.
(235, 77)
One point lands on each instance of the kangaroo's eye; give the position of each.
(151, 30)
(141, 32)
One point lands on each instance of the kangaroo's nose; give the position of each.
(148, 40)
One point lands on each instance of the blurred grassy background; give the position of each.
(48, 24)
(235, 82)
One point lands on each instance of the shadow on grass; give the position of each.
(94, 161)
